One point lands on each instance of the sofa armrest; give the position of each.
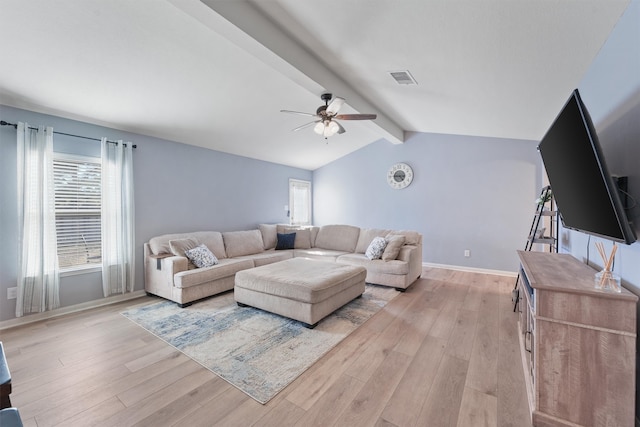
(412, 254)
(405, 252)
(159, 271)
(174, 264)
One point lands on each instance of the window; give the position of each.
(300, 202)
(77, 182)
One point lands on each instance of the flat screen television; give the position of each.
(586, 195)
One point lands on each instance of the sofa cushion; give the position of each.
(366, 237)
(225, 268)
(303, 237)
(269, 235)
(376, 265)
(160, 244)
(376, 248)
(212, 239)
(411, 237)
(239, 243)
(281, 228)
(318, 253)
(314, 234)
(313, 231)
(285, 241)
(201, 256)
(338, 237)
(179, 246)
(268, 257)
(394, 243)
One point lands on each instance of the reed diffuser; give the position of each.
(606, 279)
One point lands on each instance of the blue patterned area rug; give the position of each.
(258, 352)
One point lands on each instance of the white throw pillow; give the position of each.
(376, 248)
(201, 256)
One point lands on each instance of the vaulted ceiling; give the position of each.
(216, 74)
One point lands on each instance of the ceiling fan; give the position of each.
(326, 115)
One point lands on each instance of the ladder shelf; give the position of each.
(546, 215)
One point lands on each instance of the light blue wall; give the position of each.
(611, 91)
(468, 193)
(178, 188)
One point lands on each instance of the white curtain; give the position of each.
(38, 272)
(117, 218)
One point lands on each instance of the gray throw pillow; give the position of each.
(303, 237)
(376, 248)
(269, 237)
(394, 243)
(201, 256)
(179, 246)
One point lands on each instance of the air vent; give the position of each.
(403, 77)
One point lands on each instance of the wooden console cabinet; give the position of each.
(578, 344)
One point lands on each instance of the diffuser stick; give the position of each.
(606, 275)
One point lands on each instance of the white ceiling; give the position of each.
(216, 73)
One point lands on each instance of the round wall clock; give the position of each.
(400, 175)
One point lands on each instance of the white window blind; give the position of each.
(78, 206)
(300, 202)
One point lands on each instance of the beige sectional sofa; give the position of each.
(169, 274)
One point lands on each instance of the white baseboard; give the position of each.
(25, 320)
(470, 269)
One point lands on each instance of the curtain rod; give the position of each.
(3, 123)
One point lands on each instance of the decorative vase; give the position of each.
(607, 280)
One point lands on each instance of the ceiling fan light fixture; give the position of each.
(329, 128)
(325, 114)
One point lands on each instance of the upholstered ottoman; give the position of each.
(302, 289)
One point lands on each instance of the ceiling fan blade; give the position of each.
(305, 125)
(298, 112)
(356, 116)
(340, 128)
(335, 105)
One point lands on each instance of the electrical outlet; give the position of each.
(12, 293)
(467, 253)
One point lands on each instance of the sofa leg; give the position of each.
(5, 402)
(308, 326)
(401, 289)
(241, 304)
(187, 304)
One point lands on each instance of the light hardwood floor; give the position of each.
(444, 353)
